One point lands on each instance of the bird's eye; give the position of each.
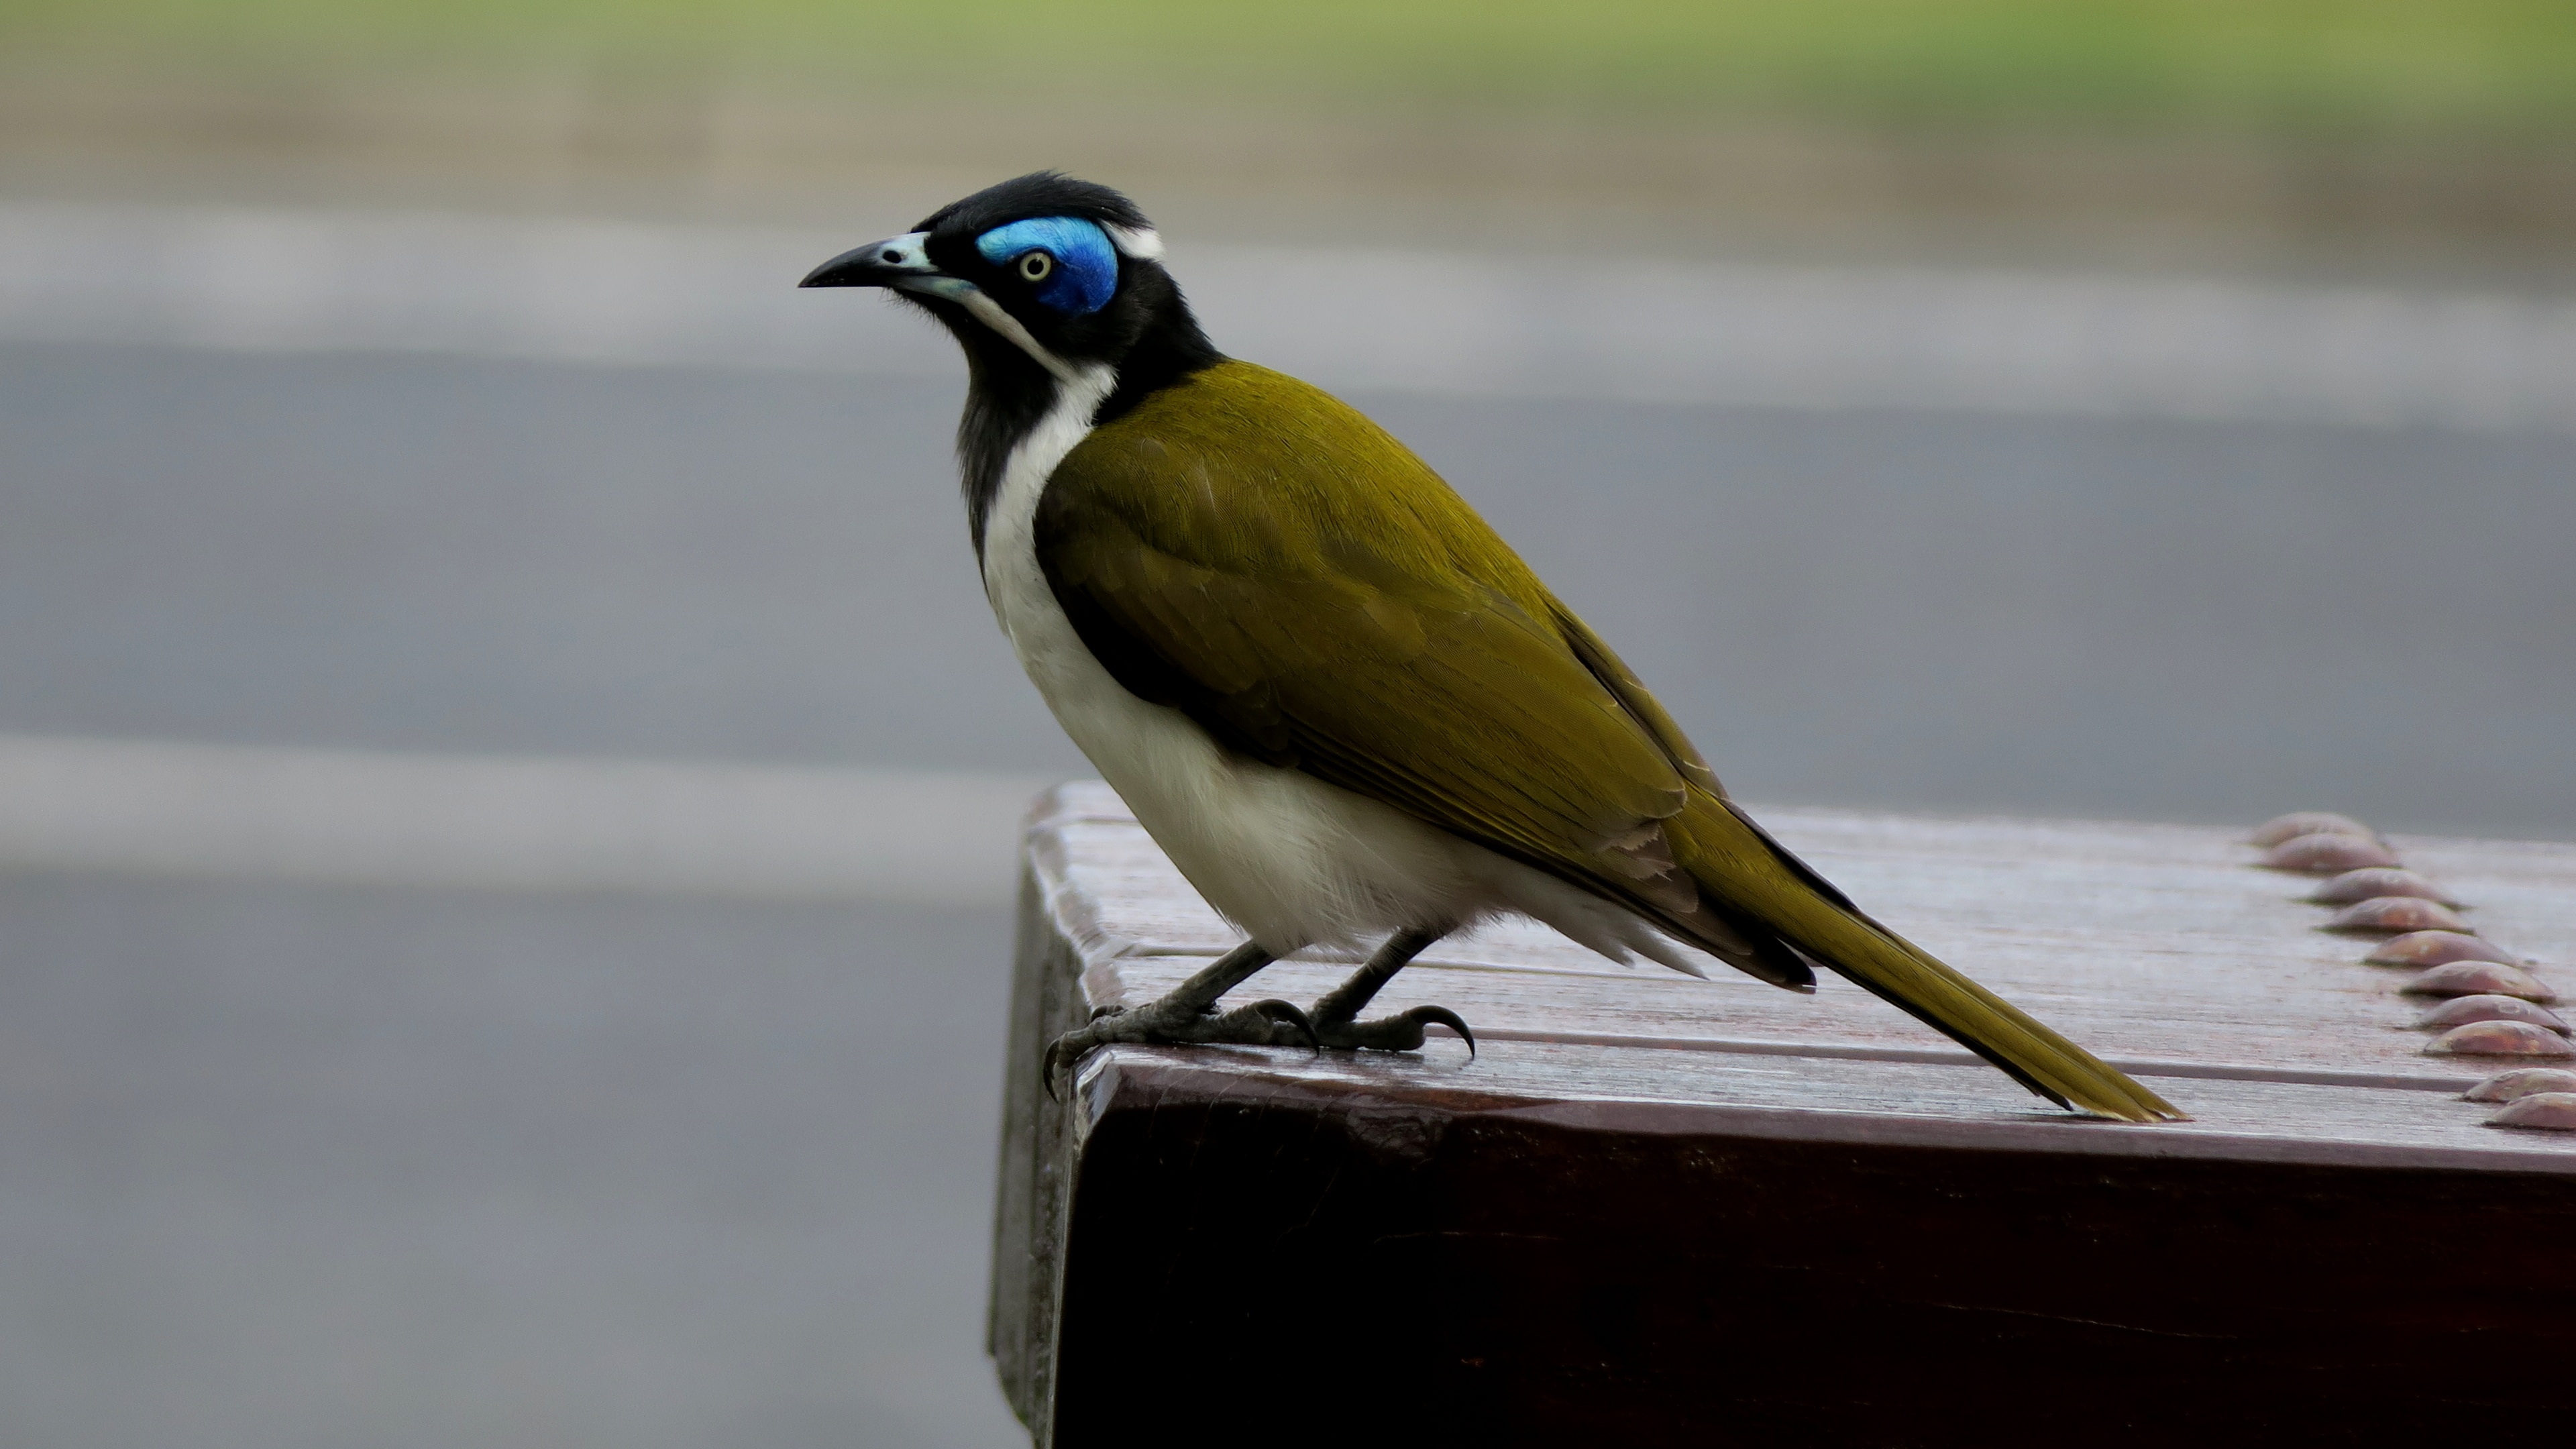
(1034, 266)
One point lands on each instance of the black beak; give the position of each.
(889, 263)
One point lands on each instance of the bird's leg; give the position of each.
(1187, 1014)
(1336, 1016)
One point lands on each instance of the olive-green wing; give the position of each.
(1247, 550)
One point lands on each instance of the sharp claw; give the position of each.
(1445, 1017)
(1061, 1054)
(1288, 1013)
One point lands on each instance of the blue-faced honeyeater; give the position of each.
(1339, 702)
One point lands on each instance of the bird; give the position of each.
(1352, 717)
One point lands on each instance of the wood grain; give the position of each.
(2166, 949)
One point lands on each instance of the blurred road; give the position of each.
(2147, 617)
(309, 1168)
(297, 1165)
(1592, 325)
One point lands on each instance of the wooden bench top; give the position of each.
(2163, 949)
(2167, 950)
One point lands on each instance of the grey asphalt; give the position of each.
(2133, 617)
(1708, 332)
(285, 1165)
(305, 1168)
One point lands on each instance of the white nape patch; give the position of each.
(1143, 243)
(1291, 860)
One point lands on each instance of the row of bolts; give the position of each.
(2493, 1007)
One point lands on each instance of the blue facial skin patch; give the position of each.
(1086, 265)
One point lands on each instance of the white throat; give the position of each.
(1011, 578)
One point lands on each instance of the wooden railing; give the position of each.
(1660, 1210)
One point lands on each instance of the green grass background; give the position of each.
(2376, 69)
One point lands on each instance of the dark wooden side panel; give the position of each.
(1257, 1260)
(1030, 1197)
(1658, 1212)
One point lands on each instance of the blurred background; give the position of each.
(507, 779)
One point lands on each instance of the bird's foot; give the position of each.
(1170, 1022)
(1399, 1033)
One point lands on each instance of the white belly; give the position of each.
(1293, 861)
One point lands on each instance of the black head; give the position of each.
(1041, 278)
(1056, 290)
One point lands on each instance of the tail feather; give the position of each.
(1752, 879)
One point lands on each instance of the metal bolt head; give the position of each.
(2500, 1039)
(2461, 1010)
(2437, 948)
(2521, 1082)
(2377, 882)
(2325, 853)
(2546, 1111)
(2308, 822)
(2396, 914)
(2479, 978)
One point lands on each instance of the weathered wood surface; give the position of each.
(2327, 1147)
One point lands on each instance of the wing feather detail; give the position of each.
(1316, 597)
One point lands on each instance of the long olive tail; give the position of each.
(1751, 878)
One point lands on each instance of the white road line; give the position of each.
(529, 824)
(1600, 327)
